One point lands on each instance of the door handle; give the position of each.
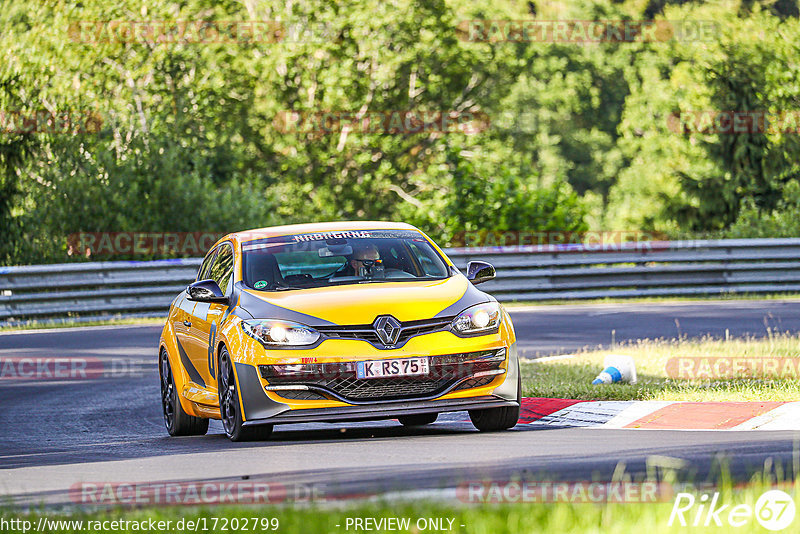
(187, 323)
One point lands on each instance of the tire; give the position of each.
(229, 408)
(494, 419)
(177, 421)
(418, 419)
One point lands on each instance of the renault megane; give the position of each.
(335, 322)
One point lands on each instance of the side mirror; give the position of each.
(205, 291)
(479, 272)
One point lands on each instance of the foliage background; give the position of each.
(579, 136)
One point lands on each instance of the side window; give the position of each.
(430, 263)
(222, 268)
(202, 273)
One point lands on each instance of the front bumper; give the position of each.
(261, 408)
(382, 410)
(337, 381)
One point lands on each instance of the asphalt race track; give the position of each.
(54, 435)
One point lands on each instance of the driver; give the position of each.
(363, 261)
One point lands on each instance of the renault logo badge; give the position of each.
(388, 329)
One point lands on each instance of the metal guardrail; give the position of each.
(86, 291)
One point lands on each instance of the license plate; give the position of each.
(399, 367)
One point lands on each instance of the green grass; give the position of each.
(571, 378)
(513, 518)
(36, 325)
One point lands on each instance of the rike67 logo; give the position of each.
(774, 510)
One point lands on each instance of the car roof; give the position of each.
(308, 228)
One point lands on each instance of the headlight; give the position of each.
(479, 319)
(280, 333)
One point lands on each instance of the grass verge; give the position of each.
(571, 378)
(510, 517)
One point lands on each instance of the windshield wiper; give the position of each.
(388, 280)
(286, 288)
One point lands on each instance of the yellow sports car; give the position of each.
(335, 322)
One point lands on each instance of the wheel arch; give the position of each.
(222, 344)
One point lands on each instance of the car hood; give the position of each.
(362, 303)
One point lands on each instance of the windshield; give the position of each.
(338, 258)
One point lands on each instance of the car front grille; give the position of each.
(366, 332)
(340, 379)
